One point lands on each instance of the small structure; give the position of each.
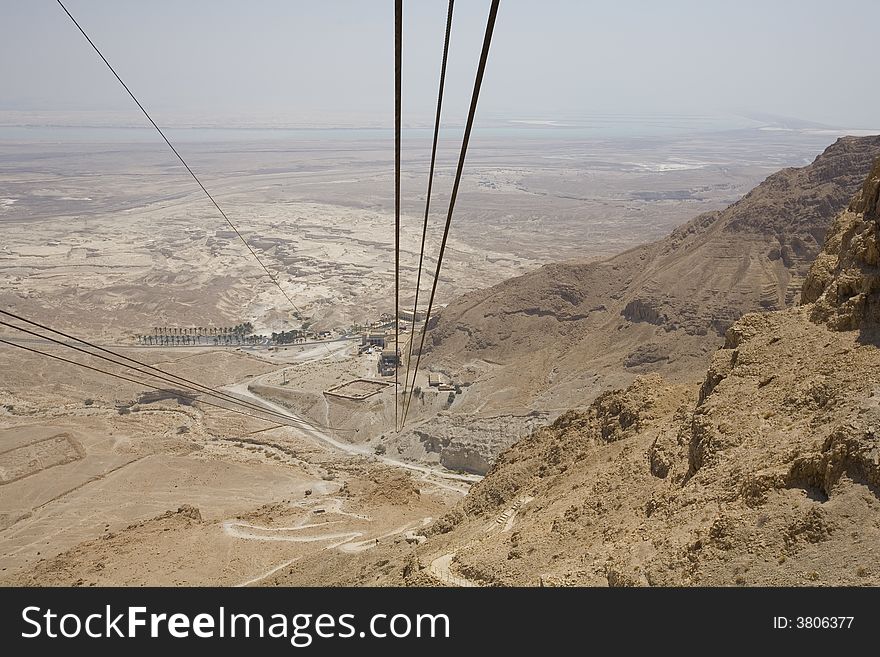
(373, 339)
(357, 389)
(433, 379)
(410, 316)
(389, 361)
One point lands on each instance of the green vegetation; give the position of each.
(174, 336)
(287, 337)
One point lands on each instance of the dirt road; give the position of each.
(432, 475)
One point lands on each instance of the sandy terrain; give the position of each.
(82, 478)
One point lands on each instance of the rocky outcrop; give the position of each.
(463, 443)
(844, 282)
(646, 355)
(613, 415)
(852, 450)
(471, 458)
(638, 310)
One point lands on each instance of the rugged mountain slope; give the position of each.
(767, 473)
(561, 334)
(844, 282)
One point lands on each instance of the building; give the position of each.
(409, 316)
(389, 361)
(373, 339)
(433, 379)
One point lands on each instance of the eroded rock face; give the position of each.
(646, 355)
(464, 444)
(615, 414)
(465, 458)
(852, 451)
(844, 282)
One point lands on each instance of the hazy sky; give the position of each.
(331, 60)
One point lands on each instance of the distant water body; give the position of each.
(595, 128)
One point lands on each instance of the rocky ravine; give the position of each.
(562, 334)
(767, 473)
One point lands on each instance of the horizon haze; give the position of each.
(330, 64)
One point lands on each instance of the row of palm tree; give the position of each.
(184, 340)
(243, 329)
(176, 335)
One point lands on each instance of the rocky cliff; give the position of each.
(844, 282)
